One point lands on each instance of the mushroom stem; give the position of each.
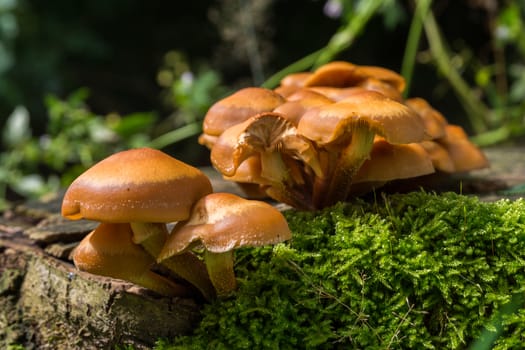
(273, 167)
(162, 285)
(278, 174)
(220, 269)
(188, 266)
(151, 236)
(350, 160)
(320, 184)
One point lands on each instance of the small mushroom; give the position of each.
(464, 154)
(383, 87)
(390, 162)
(299, 102)
(285, 156)
(222, 222)
(435, 122)
(335, 74)
(148, 189)
(291, 83)
(382, 74)
(346, 131)
(109, 251)
(238, 107)
(337, 94)
(439, 156)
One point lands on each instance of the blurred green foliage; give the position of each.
(75, 138)
(466, 58)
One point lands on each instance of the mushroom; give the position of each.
(109, 251)
(435, 122)
(220, 223)
(291, 83)
(464, 154)
(335, 74)
(439, 156)
(383, 87)
(148, 189)
(337, 94)
(299, 102)
(238, 107)
(382, 74)
(345, 130)
(287, 159)
(389, 162)
(248, 177)
(340, 74)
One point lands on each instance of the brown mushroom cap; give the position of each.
(464, 154)
(382, 74)
(238, 107)
(390, 162)
(111, 241)
(295, 79)
(394, 121)
(337, 94)
(291, 83)
(299, 102)
(439, 156)
(137, 185)
(109, 251)
(435, 122)
(383, 87)
(222, 222)
(336, 74)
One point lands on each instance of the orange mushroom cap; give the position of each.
(291, 83)
(464, 154)
(435, 122)
(394, 121)
(111, 241)
(382, 74)
(390, 162)
(439, 156)
(335, 93)
(299, 102)
(335, 74)
(137, 185)
(222, 222)
(238, 107)
(109, 251)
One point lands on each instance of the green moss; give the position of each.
(419, 271)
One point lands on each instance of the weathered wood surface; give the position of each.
(45, 303)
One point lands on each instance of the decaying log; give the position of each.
(45, 303)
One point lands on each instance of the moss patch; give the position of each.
(417, 270)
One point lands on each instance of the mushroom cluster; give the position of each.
(322, 136)
(135, 194)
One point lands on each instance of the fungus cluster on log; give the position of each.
(323, 136)
(135, 194)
